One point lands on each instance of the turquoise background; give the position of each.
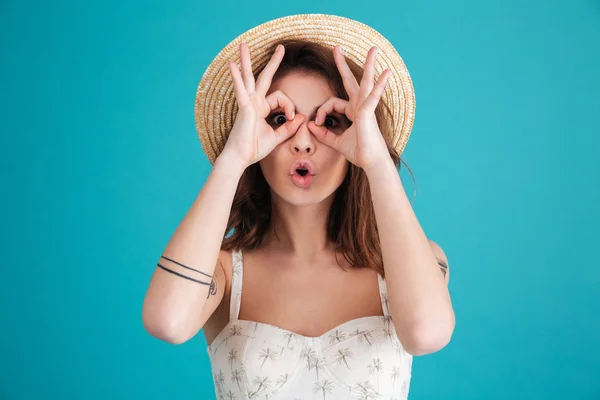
(101, 162)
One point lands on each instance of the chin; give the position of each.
(286, 190)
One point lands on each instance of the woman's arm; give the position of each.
(188, 282)
(418, 295)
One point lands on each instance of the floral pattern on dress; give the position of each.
(359, 359)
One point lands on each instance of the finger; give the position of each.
(324, 135)
(285, 131)
(266, 76)
(246, 64)
(373, 98)
(240, 90)
(366, 83)
(278, 99)
(348, 79)
(333, 104)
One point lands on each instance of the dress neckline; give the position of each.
(233, 328)
(235, 303)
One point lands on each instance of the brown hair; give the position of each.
(351, 225)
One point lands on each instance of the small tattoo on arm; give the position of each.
(213, 288)
(443, 266)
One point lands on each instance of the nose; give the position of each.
(302, 142)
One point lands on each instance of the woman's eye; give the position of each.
(278, 118)
(331, 118)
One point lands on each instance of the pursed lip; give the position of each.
(306, 164)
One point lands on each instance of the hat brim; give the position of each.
(216, 106)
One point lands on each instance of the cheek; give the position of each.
(339, 169)
(340, 163)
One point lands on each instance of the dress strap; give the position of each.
(383, 295)
(236, 284)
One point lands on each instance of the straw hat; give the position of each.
(216, 106)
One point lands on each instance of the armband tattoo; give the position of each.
(212, 284)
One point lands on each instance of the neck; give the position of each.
(300, 231)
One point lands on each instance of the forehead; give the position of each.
(304, 89)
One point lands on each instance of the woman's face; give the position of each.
(308, 92)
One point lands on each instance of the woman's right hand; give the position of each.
(252, 138)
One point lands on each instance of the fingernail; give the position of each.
(293, 114)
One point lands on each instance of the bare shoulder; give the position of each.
(442, 259)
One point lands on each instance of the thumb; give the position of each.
(288, 129)
(324, 135)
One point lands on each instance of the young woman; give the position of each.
(302, 259)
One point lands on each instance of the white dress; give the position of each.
(359, 359)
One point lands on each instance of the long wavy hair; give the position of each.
(351, 221)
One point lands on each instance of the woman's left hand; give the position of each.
(362, 143)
